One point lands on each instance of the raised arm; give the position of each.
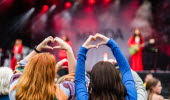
(40, 47)
(70, 55)
(124, 67)
(81, 89)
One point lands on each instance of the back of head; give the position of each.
(37, 81)
(150, 85)
(5, 76)
(148, 77)
(105, 83)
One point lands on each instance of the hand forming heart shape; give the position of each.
(65, 46)
(44, 44)
(88, 45)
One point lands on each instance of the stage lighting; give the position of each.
(52, 8)
(107, 1)
(68, 4)
(92, 1)
(44, 8)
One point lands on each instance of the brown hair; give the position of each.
(37, 80)
(140, 36)
(105, 83)
(149, 85)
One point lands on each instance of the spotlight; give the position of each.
(107, 1)
(92, 2)
(44, 8)
(52, 8)
(68, 4)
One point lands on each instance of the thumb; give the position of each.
(48, 47)
(99, 44)
(92, 46)
(57, 47)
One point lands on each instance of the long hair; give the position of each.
(149, 85)
(105, 83)
(140, 36)
(37, 80)
(5, 76)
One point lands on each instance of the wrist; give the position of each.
(37, 49)
(85, 46)
(68, 48)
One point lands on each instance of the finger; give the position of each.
(57, 47)
(48, 47)
(98, 36)
(92, 46)
(49, 40)
(57, 39)
(64, 67)
(61, 62)
(99, 44)
(92, 37)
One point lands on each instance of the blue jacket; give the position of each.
(4, 97)
(127, 79)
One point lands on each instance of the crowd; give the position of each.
(35, 76)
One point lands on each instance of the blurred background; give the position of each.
(28, 22)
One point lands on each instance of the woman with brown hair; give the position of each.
(37, 80)
(154, 88)
(105, 81)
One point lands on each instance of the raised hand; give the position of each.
(44, 43)
(87, 44)
(70, 56)
(62, 44)
(103, 38)
(59, 65)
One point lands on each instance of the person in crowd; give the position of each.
(154, 88)
(37, 82)
(63, 55)
(147, 78)
(5, 76)
(105, 81)
(17, 53)
(141, 91)
(135, 43)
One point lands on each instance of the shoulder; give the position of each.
(157, 97)
(161, 97)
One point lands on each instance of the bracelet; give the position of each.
(35, 49)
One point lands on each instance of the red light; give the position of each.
(92, 1)
(107, 1)
(68, 4)
(44, 9)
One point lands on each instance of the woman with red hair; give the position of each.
(37, 82)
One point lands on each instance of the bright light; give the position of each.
(105, 57)
(52, 8)
(44, 9)
(68, 4)
(107, 1)
(92, 1)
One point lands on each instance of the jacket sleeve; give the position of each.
(81, 89)
(141, 91)
(125, 70)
